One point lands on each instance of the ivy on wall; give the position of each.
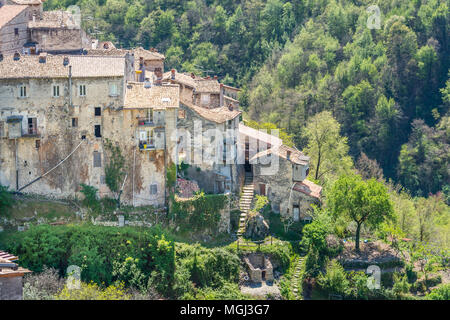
(200, 212)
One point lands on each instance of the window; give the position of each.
(205, 99)
(38, 144)
(98, 111)
(32, 125)
(97, 159)
(23, 91)
(82, 90)
(55, 91)
(97, 131)
(16, 31)
(2, 128)
(113, 89)
(74, 122)
(153, 188)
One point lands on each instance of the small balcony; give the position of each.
(147, 145)
(145, 121)
(31, 132)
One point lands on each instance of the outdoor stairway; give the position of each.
(295, 280)
(245, 202)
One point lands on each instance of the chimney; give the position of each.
(173, 74)
(288, 154)
(34, 17)
(230, 107)
(215, 78)
(221, 95)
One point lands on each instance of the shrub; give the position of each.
(91, 291)
(334, 280)
(6, 199)
(440, 293)
(42, 286)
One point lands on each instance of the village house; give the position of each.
(51, 106)
(26, 29)
(279, 172)
(203, 104)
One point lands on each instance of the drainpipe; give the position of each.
(70, 86)
(17, 164)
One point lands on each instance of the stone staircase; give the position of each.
(245, 202)
(296, 277)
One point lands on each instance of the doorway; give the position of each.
(263, 276)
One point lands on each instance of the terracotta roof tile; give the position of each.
(9, 12)
(157, 97)
(53, 20)
(82, 67)
(200, 85)
(309, 188)
(218, 115)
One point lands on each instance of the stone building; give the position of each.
(203, 111)
(13, 28)
(25, 28)
(259, 267)
(11, 277)
(279, 172)
(55, 106)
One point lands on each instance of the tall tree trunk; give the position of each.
(318, 165)
(358, 230)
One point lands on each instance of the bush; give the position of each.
(334, 281)
(91, 291)
(6, 199)
(90, 198)
(42, 286)
(440, 293)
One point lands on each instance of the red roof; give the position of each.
(7, 256)
(9, 12)
(309, 188)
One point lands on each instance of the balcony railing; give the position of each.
(31, 132)
(150, 122)
(145, 122)
(147, 145)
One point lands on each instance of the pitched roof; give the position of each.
(147, 54)
(218, 115)
(53, 20)
(156, 97)
(5, 255)
(309, 188)
(138, 52)
(27, 2)
(200, 85)
(82, 67)
(9, 12)
(259, 135)
(9, 268)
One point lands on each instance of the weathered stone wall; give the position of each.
(9, 41)
(11, 288)
(209, 175)
(58, 39)
(58, 138)
(214, 100)
(278, 188)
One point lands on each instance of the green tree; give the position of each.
(363, 202)
(325, 146)
(6, 199)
